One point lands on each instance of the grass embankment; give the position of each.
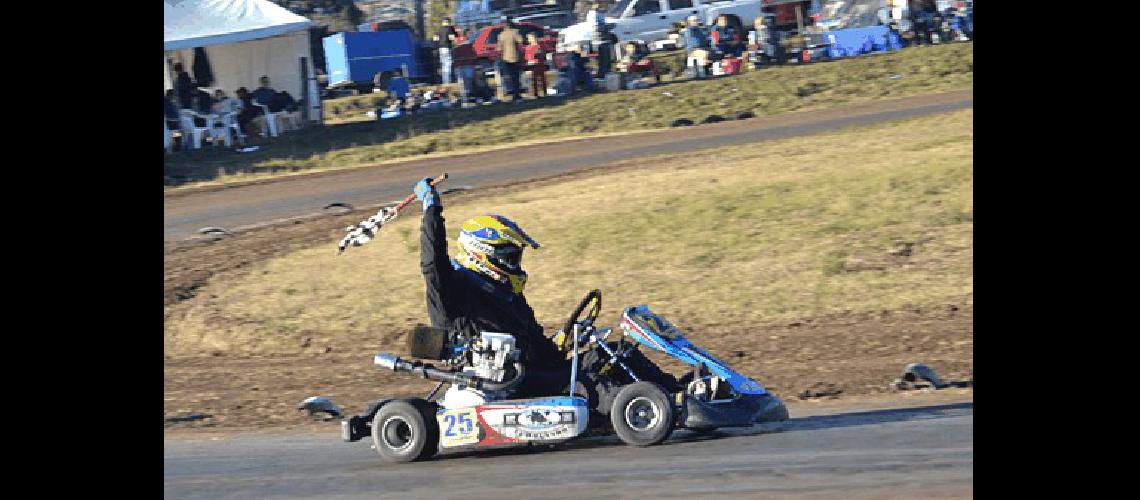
(868, 219)
(768, 92)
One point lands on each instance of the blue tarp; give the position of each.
(855, 41)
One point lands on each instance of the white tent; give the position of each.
(243, 40)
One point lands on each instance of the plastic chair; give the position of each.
(192, 131)
(231, 128)
(269, 120)
(290, 120)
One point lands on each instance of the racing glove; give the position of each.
(426, 193)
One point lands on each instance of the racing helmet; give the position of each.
(492, 246)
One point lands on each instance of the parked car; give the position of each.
(554, 20)
(651, 20)
(486, 39)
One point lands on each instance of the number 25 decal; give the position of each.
(458, 425)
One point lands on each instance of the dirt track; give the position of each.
(854, 354)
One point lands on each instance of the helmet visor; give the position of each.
(507, 257)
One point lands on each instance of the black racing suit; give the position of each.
(466, 303)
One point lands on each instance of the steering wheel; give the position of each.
(595, 297)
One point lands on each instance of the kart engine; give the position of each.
(491, 355)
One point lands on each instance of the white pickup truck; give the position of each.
(651, 20)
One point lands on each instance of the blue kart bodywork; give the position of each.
(657, 333)
(747, 403)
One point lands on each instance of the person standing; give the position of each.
(447, 41)
(536, 63)
(510, 47)
(463, 61)
(184, 87)
(596, 18)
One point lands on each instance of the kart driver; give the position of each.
(482, 289)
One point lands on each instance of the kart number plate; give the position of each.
(458, 427)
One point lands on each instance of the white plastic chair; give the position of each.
(290, 120)
(232, 128)
(192, 131)
(269, 120)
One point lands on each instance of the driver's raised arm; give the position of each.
(434, 262)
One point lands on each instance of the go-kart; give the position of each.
(611, 386)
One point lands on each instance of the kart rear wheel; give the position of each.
(405, 431)
(642, 414)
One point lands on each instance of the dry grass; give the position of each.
(768, 92)
(867, 219)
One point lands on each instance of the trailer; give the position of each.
(354, 58)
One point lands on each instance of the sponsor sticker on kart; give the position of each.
(458, 427)
(563, 431)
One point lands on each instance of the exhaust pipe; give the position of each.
(430, 372)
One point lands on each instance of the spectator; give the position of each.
(632, 54)
(248, 110)
(460, 37)
(696, 46)
(597, 18)
(463, 59)
(224, 104)
(576, 63)
(263, 94)
(479, 87)
(605, 56)
(536, 63)
(184, 87)
(726, 37)
(202, 104)
(760, 40)
(282, 101)
(447, 40)
(510, 57)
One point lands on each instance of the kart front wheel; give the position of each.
(642, 414)
(405, 431)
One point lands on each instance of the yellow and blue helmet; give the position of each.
(492, 245)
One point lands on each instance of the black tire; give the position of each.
(642, 414)
(405, 431)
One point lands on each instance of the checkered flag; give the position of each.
(363, 232)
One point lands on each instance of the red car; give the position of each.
(486, 39)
